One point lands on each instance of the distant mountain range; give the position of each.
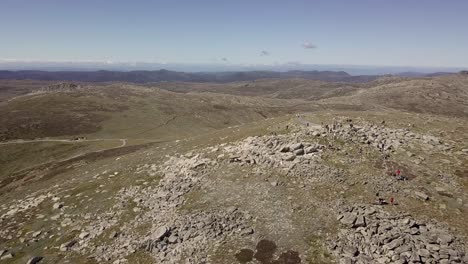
(165, 75)
(18, 65)
(217, 77)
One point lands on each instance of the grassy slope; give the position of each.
(128, 111)
(446, 95)
(271, 88)
(17, 157)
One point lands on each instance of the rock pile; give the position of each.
(381, 137)
(293, 155)
(61, 87)
(370, 235)
(175, 235)
(22, 205)
(274, 151)
(190, 235)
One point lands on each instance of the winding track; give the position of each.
(123, 140)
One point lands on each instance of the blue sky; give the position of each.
(358, 32)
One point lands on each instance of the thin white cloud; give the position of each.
(308, 45)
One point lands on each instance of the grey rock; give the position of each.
(36, 234)
(415, 257)
(369, 211)
(346, 261)
(66, 246)
(289, 157)
(383, 260)
(414, 231)
(84, 235)
(160, 233)
(360, 221)
(433, 247)
(57, 206)
(114, 234)
(399, 261)
(445, 238)
(296, 146)
(34, 260)
(453, 253)
(247, 231)
(350, 251)
(348, 219)
(7, 256)
(299, 152)
(402, 249)
(231, 209)
(311, 149)
(394, 244)
(172, 239)
(424, 253)
(421, 196)
(284, 149)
